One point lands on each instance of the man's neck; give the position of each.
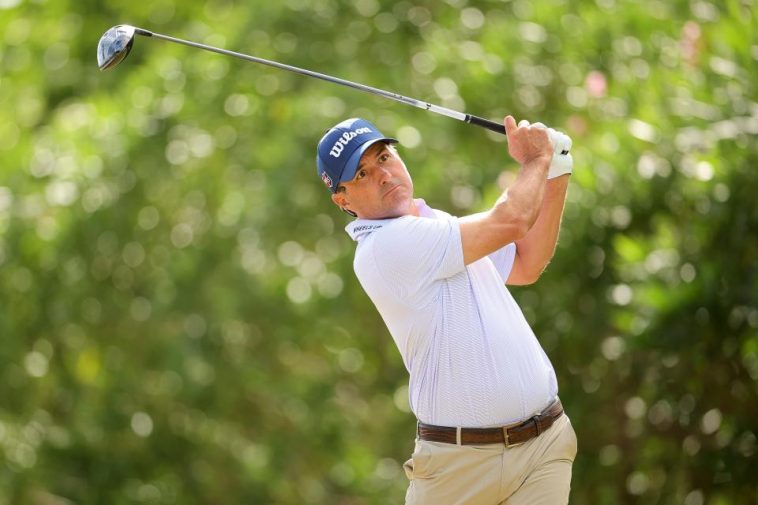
(414, 209)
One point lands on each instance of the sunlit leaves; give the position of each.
(181, 322)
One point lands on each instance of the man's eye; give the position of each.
(361, 174)
(384, 157)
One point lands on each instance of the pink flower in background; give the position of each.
(596, 84)
(690, 42)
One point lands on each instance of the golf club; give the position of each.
(116, 43)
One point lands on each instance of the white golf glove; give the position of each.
(562, 164)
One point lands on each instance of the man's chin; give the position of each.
(402, 207)
(391, 212)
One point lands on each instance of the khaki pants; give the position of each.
(537, 472)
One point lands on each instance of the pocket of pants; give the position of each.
(572, 444)
(434, 459)
(408, 468)
(429, 459)
(420, 460)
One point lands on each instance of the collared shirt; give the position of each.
(473, 360)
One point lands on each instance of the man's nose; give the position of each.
(384, 175)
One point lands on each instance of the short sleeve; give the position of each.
(503, 260)
(415, 252)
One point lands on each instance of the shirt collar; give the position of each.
(361, 228)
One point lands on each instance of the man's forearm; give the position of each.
(524, 198)
(538, 245)
(516, 212)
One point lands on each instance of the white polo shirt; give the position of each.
(472, 357)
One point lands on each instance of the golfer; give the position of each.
(491, 429)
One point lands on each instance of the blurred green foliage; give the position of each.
(179, 318)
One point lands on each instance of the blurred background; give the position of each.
(179, 319)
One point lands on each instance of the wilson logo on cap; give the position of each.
(339, 146)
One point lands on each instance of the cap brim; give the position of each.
(352, 163)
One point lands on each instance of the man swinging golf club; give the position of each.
(490, 426)
(491, 429)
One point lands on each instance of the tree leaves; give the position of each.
(180, 318)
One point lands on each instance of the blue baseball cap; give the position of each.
(341, 148)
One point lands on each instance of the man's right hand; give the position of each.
(527, 143)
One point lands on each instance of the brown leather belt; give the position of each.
(508, 435)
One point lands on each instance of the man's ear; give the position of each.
(340, 201)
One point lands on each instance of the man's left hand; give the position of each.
(561, 164)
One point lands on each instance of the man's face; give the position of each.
(382, 187)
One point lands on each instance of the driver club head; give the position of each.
(114, 46)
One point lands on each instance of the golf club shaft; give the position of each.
(460, 116)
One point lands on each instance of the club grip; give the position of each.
(485, 123)
(490, 125)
